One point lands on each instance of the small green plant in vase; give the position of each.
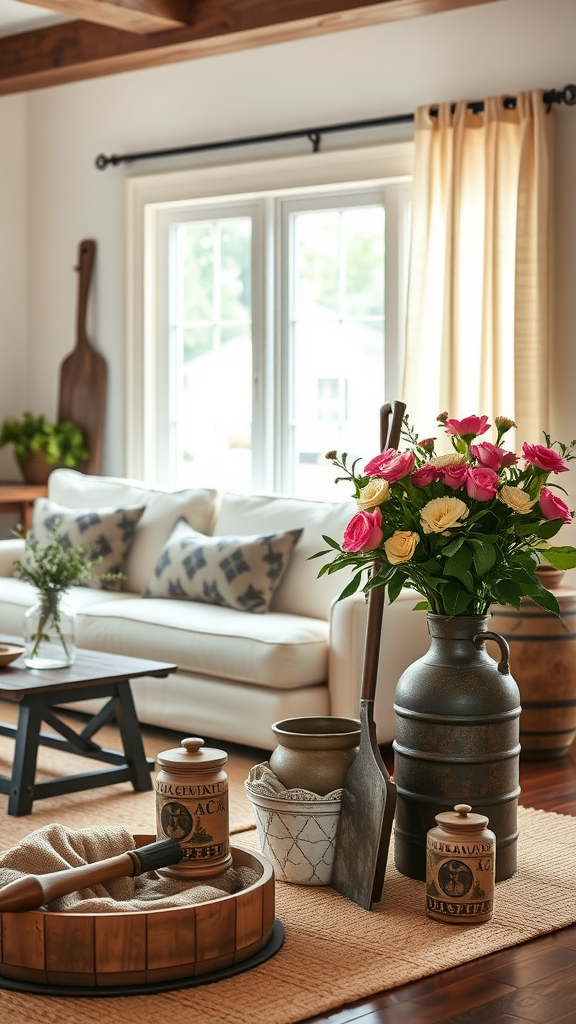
(49, 634)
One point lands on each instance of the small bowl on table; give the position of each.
(9, 652)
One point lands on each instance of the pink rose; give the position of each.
(471, 426)
(455, 476)
(492, 456)
(391, 465)
(425, 475)
(482, 483)
(544, 458)
(363, 532)
(553, 507)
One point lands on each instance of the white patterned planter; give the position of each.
(297, 829)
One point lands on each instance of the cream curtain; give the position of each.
(478, 331)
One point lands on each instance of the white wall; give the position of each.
(500, 47)
(13, 278)
(13, 268)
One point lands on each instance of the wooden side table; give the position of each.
(20, 498)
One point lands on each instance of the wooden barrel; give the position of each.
(543, 663)
(140, 948)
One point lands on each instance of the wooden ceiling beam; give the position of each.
(141, 16)
(77, 50)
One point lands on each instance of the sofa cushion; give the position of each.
(300, 591)
(238, 572)
(274, 650)
(162, 511)
(107, 531)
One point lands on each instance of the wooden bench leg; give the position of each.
(25, 754)
(131, 737)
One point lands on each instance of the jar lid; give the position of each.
(461, 819)
(193, 754)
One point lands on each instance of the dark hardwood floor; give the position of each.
(534, 982)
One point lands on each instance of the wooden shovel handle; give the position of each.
(86, 254)
(393, 439)
(372, 649)
(376, 596)
(385, 413)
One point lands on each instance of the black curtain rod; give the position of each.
(314, 135)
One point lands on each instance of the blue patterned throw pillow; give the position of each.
(108, 531)
(238, 572)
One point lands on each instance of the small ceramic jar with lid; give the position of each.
(460, 867)
(192, 808)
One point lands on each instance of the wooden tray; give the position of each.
(140, 949)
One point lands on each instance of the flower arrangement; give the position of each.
(466, 529)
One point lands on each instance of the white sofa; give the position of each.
(238, 672)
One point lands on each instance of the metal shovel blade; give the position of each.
(368, 804)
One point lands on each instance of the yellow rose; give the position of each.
(516, 499)
(441, 514)
(374, 493)
(401, 546)
(452, 459)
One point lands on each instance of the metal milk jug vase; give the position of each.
(457, 714)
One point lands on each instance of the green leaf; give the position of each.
(319, 554)
(459, 566)
(507, 592)
(332, 543)
(484, 556)
(422, 606)
(432, 567)
(352, 587)
(453, 547)
(550, 528)
(562, 557)
(395, 586)
(324, 570)
(546, 600)
(454, 599)
(525, 529)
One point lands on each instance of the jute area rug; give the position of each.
(333, 952)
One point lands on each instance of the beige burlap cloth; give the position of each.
(335, 953)
(56, 847)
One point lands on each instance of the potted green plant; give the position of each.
(49, 634)
(40, 447)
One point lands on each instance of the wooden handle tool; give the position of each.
(369, 795)
(34, 891)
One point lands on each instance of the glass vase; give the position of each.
(49, 633)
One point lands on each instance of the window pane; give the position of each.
(236, 269)
(316, 264)
(211, 405)
(196, 258)
(337, 384)
(363, 243)
(195, 342)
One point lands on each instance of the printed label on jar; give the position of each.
(178, 790)
(458, 909)
(456, 887)
(200, 826)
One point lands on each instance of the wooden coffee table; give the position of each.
(38, 692)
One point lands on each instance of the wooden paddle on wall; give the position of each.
(369, 795)
(83, 373)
